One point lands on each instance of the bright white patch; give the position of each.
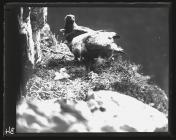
(131, 112)
(61, 75)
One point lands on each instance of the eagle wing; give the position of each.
(82, 29)
(100, 40)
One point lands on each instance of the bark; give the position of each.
(26, 30)
(38, 21)
(31, 21)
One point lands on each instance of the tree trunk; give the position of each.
(26, 30)
(31, 21)
(22, 45)
(38, 21)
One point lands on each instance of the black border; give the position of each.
(172, 92)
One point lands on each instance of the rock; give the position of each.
(105, 111)
(47, 116)
(126, 114)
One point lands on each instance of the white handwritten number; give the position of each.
(10, 130)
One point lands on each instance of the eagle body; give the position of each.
(89, 46)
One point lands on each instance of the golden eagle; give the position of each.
(71, 29)
(87, 44)
(91, 45)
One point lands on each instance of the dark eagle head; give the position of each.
(70, 19)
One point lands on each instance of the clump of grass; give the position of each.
(124, 77)
(43, 87)
(118, 75)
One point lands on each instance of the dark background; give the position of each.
(144, 33)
